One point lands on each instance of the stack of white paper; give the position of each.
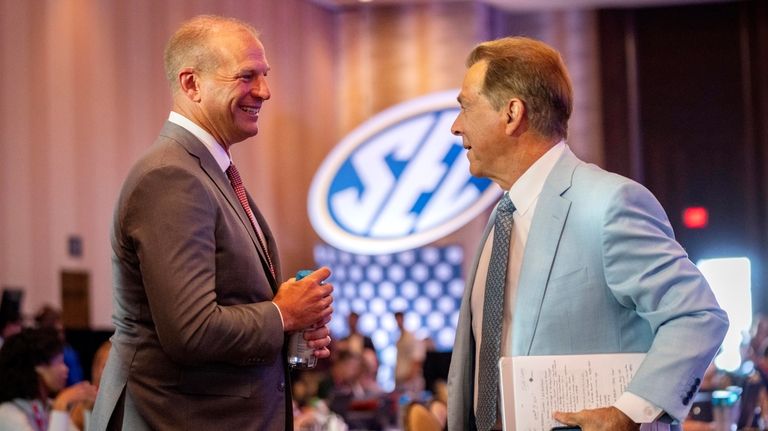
(533, 387)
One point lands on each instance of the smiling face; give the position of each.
(232, 93)
(481, 127)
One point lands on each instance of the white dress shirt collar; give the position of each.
(525, 191)
(217, 151)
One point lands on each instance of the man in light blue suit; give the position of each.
(592, 266)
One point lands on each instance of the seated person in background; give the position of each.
(99, 361)
(758, 341)
(409, 372)
(83, 409)
(715, 379)
(370, 369)
(32, 370)
(761, 366)
(50, 317)
(700, 415)
(356, 342)
(439, 409)
(344, 380)
(334, 393)
(10, 320)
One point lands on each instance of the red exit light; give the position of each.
(695, 217)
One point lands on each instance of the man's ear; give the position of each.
(514, 112)
(189, 82)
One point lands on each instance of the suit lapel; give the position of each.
(213, 171)
(540, 250)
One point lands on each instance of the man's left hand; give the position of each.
(319, 338)
(602, 419)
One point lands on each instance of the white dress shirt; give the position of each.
(217, 151)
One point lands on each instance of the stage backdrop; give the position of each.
(84, 96)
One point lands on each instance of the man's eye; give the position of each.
(248, 77)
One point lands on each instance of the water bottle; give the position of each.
(724, 405)
(300, 355)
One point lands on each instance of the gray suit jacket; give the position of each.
(602, 273)
(198, 344)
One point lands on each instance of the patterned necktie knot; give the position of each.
(506, 207)
(234, 176)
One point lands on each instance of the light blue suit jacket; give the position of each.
(602, 273)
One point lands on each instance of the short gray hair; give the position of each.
(189, 46)
(532, 71)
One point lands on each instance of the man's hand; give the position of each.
(602, 419)
(305, 302)
(319, 339)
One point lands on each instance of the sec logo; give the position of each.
(399, 181)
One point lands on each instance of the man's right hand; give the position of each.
(305, 302)
(600, 419)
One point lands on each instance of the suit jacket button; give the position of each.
(281, 387)
(686, 400)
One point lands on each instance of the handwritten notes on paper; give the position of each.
(535, 386)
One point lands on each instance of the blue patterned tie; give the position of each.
(490, 344)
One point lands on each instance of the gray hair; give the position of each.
(532, 71)
(190, 47)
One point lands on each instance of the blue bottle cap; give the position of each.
(303, 273)
(724, 398)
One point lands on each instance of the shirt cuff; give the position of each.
(638, 409)
(280, 313)
(59, 420)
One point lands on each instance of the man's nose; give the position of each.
(261, 89)
(455, 129)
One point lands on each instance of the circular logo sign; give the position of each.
(399, 181)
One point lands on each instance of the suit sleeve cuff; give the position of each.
(280, 313)
(638, 409)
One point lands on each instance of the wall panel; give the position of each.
(690, 129)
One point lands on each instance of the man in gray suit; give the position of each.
(588, 263)
(200, 314)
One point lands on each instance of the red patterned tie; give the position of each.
(237, 184)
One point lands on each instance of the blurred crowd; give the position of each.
(44, 386)
(343, 393)
(748, 383)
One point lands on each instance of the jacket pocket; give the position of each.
(215, 382)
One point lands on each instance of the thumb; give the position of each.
(566, 418)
